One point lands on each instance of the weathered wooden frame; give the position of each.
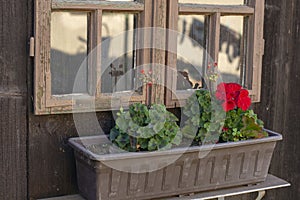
(254, 9)
(44, 101)
(166, 16)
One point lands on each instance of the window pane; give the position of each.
(231, 58)
(119, 76)
(68, 51)
(194, 27)
(219, 2)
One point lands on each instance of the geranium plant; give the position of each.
(232, 120)
(146, 127)
(241, 123)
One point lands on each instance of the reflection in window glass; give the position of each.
(119, 76)
(216, 2)
(231, 59)
(194, 27)
(68, 51)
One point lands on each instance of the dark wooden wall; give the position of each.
(280, 102)
(35, 160)
(13, 99)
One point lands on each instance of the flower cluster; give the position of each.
(233, 96)
(212, 72)
(146, 77)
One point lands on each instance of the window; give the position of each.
(67, 31)
(232, 33)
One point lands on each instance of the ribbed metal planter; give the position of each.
(225, 165)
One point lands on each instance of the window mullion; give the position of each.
(214, 36)
(95, 72)
(158, 55)
(255, 48)
(143, 39)
(171, 75)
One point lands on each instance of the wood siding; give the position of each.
(48, 165)
(280, 100)
(13, 98)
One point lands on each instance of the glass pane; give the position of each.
(193, 27)
(68, 51)
(217, 2)
(119, 75)
(231, 59)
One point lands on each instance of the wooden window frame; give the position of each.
(166, 17)
(254, 9)
(44, 101)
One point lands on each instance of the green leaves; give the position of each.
(143, 129)
(207, 122)
(147, 129)
(242, 125)
(203, 117)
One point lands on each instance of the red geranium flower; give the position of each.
(221, 92)
(244, 93)
(233, 87)
(233, 95)
(244, 103)
(228, 105)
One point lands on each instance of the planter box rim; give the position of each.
(77, 145)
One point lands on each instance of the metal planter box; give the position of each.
(225, 165)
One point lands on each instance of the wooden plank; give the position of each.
(209, 9)
(14, 35)
(144, 38)
(279, 107)
(171, 59)
(13, 175)
(93, 5)
(95, 53)
(158, 52)
(256, 41)
(42, 56)
(214, 36)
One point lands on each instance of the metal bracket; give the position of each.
(261, 194)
